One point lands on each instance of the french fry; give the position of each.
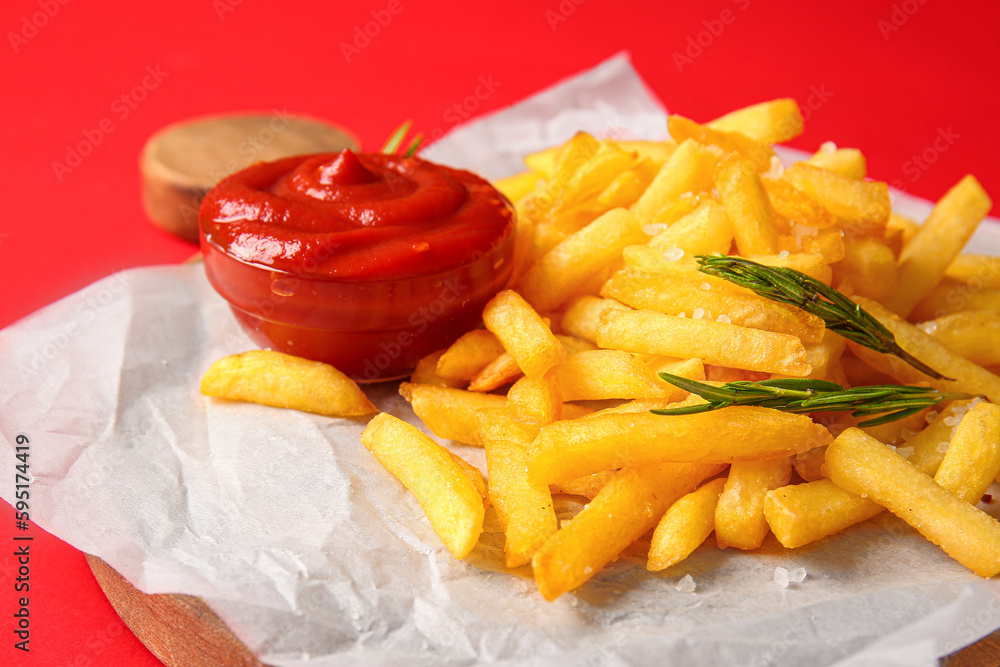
(707, 299)
(747, 205)
(523, 333)
(716, 343)
(802, 513)
(285, 381)
(554, 278)
(566, 450)
(468, 355)
(760, 154)
(426, 372)
(582, 317)
(704, 230)
(950, 297)
(771, 122)
(795, 205)
(536, 401)
(525, 511)
(587, 486)
(860, 464)
(973, 334)
(500, 371)
(606, 374)
(939, 241)
(443, 488)
(870, 266)
(684, 526)
(931, 443)
(968, 377)
(739, 515)
(811, 264)
(809, 465)
(626, 508)
(689, 169)
(450, 413)
(973, 458)
(982, 271)
(846, 162)
(517, 186)
(862, 206)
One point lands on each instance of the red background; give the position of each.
(888, 77)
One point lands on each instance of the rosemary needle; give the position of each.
(395, 140)
(805, 292)
(799, 395)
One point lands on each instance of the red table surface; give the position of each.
(912, 83)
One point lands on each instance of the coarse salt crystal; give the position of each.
(775, 169)
(928, 327)
(783, 254)
(706, 286)
(953, 420)
(930, 416)
(686, 584)
(827, 147)
(724, 318)
(781, 577)
(905, 452)
(653, 228)
(681, 314)
(942, 447)
(673, 254)
(798, 575)
(697, 313)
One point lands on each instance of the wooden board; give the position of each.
(182, 631)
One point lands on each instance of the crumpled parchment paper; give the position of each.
(314, 555)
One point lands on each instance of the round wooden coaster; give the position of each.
(182, 162)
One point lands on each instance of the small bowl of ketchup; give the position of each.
(367, 262)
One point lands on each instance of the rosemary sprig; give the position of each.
(892, 401)
(396, 140)
(797, 289)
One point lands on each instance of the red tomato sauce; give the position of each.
(364, 261)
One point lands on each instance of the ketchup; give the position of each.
(364, 261)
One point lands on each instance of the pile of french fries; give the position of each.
(558, 385)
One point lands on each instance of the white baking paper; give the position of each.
(314, 555)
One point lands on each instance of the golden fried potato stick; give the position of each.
(747, 205)
(426, 373)
(536, 401)
(704, 230)
(973, 334)
(860, 464)
(441, 485)
(847, 162)
(627, 507)
(606, 374)
(525, 511)
(803, 513)
(523, 333)
(739, 515)
(938, 242)
(285, 381)
(450, 413)
(689, 169)
(559, 274)
(968, 377)
(973, 458)
(686, 524)
(716, 343)
(769, 122)
(468, 355)
(569, 449)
